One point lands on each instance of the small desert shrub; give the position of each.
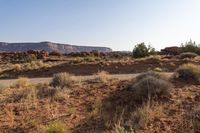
(21, 82)
(29, 58)
(153, 58)
(55, 53)
(25, 94)
(62, 80)
(29, 95)
(188, 72)
(22, 57)
(143, 115)
(16, 67)
(103, 76)
(89, 59)
(35, 65)
(188, 55)
(139, 118)
(77, 60)
(44, 91)
(55, 127)
(150, 88)
(149, 73)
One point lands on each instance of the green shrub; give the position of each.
(188, 72)
(149, 87)
(188, 55)
(141, 50)
(55, 127)
(62, 80)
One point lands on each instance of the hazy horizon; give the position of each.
(109, 23)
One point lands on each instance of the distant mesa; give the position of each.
(49, 47)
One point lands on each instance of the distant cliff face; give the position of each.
(49, 47)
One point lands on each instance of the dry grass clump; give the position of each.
(134, 107)
(142, 116)
(24, 94)
(21, 82)
(188, 55)
(154, 57)
(150, 85)
(45, 91)
(151, 88)
(55, 127)
(36, 65)
(149, 73)
(17, 67)
(103, 76)
(188, 72)
(62, 80)
(139, 118)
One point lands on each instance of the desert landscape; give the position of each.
(119, 92)
(99, 66)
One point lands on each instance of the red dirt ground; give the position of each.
(77, 107)
(92, 68)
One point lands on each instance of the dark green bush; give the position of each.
(141, 50)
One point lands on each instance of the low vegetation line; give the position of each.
(7, 82)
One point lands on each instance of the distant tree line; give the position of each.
(190, 46)
(141, 50)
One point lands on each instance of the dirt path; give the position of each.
(8, 82)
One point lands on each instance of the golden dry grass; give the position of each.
(21, 82)
(103, 77)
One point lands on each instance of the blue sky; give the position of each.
(119, 24)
